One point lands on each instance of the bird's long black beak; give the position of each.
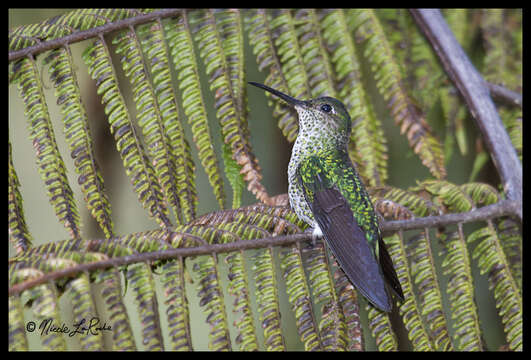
(286, 98)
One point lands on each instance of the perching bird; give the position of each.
(326, 192)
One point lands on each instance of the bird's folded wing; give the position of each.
(343, 234)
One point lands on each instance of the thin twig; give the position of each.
(502, 93)
(505, 207)
(476, 94)
(91, 33)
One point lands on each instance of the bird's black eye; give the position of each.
(326, 108)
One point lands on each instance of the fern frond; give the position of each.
(229, 23)
(425, 276)
(149, 117)
(456, 264)
(209, 288)
(380, 326)
(267, 300)
(211, 300)
(49, 160)
(179, 151)
(348, 300)
(136, 163)
(182, 52)
(17, 328)
(492, 261)
(19, 235)
(84, 310)
(512, 120)
(111, 293)
(78, 137)
(261, 39)
(232, 170)
(299, 297)
(314, 55)
(239, 288)
(289, 52)
(415, 203)
(227, 111)
(177, 305)
(388, 81)
(332, 327)
(511, 240)
(482, 194)
(45, 307)
(409, 309)
(140, 278)
(367, 146)
(451, 195)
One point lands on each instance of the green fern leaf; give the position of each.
(111, 293)
(181, 49)
(84, 310)
(19, 235)
(49, 160)
(17, 328)
(388, 81)
(456, 264)
(44, 306)
(181, 161)
(79, 138)
(314, 55)
(492, 261)
(65, 24)
(211, 299)
(149, 117)
(299, 297)
(227, 110)
(177, 303)
(423, 270)
(239, 288)
(261, 39)
(409, 309)
(380, 326)
(135, 161)
(267, 299)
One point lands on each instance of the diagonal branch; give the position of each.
(476, 94)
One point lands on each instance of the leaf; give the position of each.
(261, 38)
(79, 138)
(49, 161)
(388, 81)
(492, 261)
(180, 157)
(136, 162)
(181, 48)
(228, 111)
(460, 287)
(18, 231)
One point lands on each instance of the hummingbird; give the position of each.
(326, 192)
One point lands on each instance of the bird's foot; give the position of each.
(316, 232)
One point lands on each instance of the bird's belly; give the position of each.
(299, 204)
